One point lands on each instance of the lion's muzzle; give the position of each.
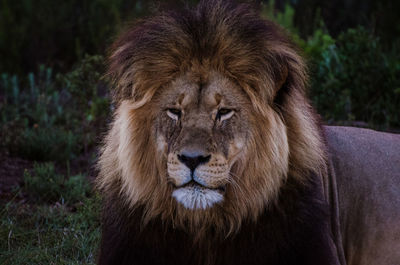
(199, 178)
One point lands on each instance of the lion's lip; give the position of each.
(195, 184)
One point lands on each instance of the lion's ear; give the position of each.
(281, 78)
(281, 86)
(291, 78)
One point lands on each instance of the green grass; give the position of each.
(49, 234)
(43, 184)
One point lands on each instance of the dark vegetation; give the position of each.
(54, 103)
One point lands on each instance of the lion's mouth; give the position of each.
(196, 196)
(195, 184)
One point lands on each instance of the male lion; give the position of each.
(215, 155)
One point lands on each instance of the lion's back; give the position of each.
(366, 166)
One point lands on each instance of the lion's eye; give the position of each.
(174, 113)
(224, 114)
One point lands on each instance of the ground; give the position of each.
(40, 232)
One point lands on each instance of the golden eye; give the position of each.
(224, 114)
(174, 113)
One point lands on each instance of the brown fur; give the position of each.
(216, 43)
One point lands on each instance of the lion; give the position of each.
(215, 155)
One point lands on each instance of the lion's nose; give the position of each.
(193, 159)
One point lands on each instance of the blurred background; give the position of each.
(55, 105)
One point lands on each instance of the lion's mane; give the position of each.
(255, 54)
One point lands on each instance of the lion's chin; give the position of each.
(197, 197)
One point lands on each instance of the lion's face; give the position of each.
(202, 130)
(198, 152)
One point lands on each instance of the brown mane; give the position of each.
(255, 54)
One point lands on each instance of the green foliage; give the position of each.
(76, 188)
(314, 44)
(50, 234)
(53, 118)
(83, 84)
(46, 185)
(355, 79)
(45, 144)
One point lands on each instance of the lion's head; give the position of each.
(211, 117)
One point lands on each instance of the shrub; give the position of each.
(45, 144)
(46, 185)
(48, 118)
(85, 87)
(76, 189)
(355, 79)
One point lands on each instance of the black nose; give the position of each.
(192, 160)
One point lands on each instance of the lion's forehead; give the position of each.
(207, 92)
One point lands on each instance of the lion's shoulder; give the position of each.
(365, 160)
(376, 152)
